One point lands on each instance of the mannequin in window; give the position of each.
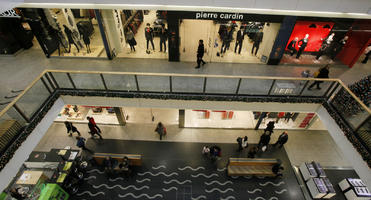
(148, 32)
(302, 44)
(325, 45)
(338, 46)
(85, 37)
(163, 37)
(239, 40)
(70, 39)
(257, 40)
(292, 46)
(367, 54)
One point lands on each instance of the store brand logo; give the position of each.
(206, 15)
(9, 13)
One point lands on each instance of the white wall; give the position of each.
(21, 155)
(270, 34)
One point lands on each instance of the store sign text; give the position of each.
(206, 15)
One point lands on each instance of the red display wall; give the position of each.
(315, 34)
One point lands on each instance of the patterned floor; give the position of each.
(178, 171)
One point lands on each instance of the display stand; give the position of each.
(354, 189)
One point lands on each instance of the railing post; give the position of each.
(205, 81)
(46, 86)
(305, 85)
(50, 82)
(104, 82)
(328, 90)
(171, 84)
(238, 85)
(21, 113)
(270, 90)
(52, 77)
(70, 78)
(136, 82)
(333, 90)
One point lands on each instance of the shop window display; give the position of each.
(77, 32)
(228, 41)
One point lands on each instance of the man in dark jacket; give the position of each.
(93, 130)
(200, 54)
(239, 142)
(264, 139)
(81, 143)
(282, 139)
(163, 37)
(71, 128)
(239, 40)
(148, 33)
(257, 40)
(323, 73)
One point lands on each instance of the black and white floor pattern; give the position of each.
(183, 173)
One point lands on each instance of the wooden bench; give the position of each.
(135, 159)
(251, 166)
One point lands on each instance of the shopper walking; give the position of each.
(81, 143)
(71, 128)
(161, 130)
(252, 152)
(239, 143)
(282, 139)
(323, 73)
(130, 39)
(163, 37)
(148, 33)
(276, 168)
(93, 130)
(200, 54)
(264, 141)
(239, 40)
(91, 120)
(270, 127)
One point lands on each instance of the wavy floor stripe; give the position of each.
(140, 196)
(169, 189)
(253, 191)
(157, 174)
(199, 197)
(222, 169)
(219, 190)
(159, 167)
(176, 181)
(90, 194)
(248, 177)
(95, 170)
(193, 169)
(204, 175)
(119, 186)
(274, 184)
(115, 179)
(212, 182)
(144, 180)
(235, 177)
(228, 198)
(90, 177)
(280, 192)
(261, 198)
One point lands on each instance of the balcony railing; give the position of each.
(28, 108)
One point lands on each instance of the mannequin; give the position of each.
(70, 39)
(257, 39)
(239, 40)
(338, 46)
(325, 45)
(292, 45)
(148, 33)
(302, 44)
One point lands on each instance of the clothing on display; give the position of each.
(302, 44)
(325, 45)
(338, 46)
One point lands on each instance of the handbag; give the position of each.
(315, 75)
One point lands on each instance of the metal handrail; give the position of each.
(182, 75)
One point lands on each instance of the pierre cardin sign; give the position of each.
(212, 15)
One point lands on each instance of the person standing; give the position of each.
(163, 37)
(81, 143)
(282, 139)
(91, 120)
(367, 54)
(270, 127)
(93, 130)
(130, 39)
(148, 33)
(161, 130)
(239, 142)
(239, 40)
(323, 73)
(71, 128)
(264, 140)
(200, 53)
(338, 46)
(252, 152)
(245, 144)
(257, 40)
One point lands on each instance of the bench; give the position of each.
(135, 159)
(251, 166)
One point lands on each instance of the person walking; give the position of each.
(323, 73)
(71, 128)
(93, 130)
(200, 53)
(264, 140)
(148, 33)
(239, 40)
(161, 130)
(245, 144)
(252, 152)
(282, 139)
(130, 39)
(270, 127)
(239, 142)
(91, 120)
(81, 143)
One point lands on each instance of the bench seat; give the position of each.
(135, 159)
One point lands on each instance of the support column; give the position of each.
(173, 28)
(261, 117)
(120, 115)
(181, 118)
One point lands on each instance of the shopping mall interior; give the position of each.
(104, 102)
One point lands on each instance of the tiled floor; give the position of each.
(302, 145)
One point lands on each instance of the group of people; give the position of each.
(213, 152)
(93, 130)
(110, 165)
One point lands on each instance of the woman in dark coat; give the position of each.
(71, 128)
(264, 139)
(323, 73)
